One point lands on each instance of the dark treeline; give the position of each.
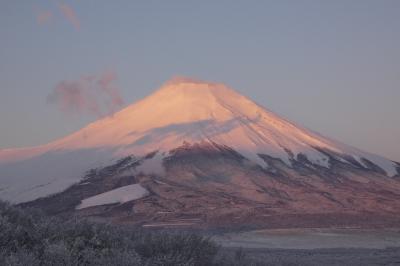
(28, 237)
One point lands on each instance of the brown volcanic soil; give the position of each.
(212, 186)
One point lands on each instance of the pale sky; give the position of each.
(331, 66)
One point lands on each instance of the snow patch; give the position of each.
(152, 165)
(118, 195)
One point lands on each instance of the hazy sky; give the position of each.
(332, 66)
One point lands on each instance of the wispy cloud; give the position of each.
(44, 16)
(94, 94)
(107, 87)
(70, 15)
(64, 11)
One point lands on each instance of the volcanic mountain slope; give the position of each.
(200, 153)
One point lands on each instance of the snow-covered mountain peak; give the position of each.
(178, 80)
(185, 110)
(186, 90)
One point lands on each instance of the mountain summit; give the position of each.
(187, 119)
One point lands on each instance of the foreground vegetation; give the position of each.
(28, 237)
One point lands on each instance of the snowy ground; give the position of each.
(325, 257)
(312, 239)
(315, 247)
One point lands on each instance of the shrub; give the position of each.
(28, 237)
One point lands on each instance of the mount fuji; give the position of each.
(197, 153)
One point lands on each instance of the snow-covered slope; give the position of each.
(118, 195)
(182, 110)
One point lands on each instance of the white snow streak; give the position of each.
(118, 195)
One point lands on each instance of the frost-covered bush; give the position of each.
(28, 237)
(184, 249)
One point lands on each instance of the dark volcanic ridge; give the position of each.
(207, 185)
